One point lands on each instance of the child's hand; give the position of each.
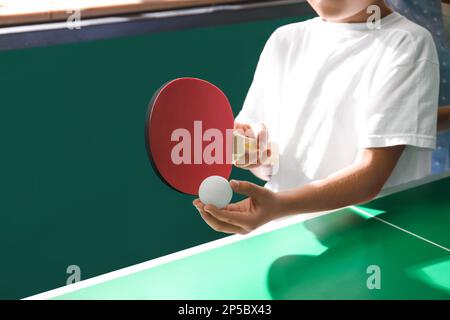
(260, 207)
(256, 148)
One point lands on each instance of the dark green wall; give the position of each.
(75, 183)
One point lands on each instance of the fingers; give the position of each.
(233, 217)
(197, 203)
(264, 157)
(232, 207)
(221, 226)
(253, 159)
(259, 154)
(264, 147)
(244, 129)
(263, 140)
(242, 126)
(216, 224)
(244, 164)
(247, 189)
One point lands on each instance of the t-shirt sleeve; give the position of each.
(259, 93)
(402, 107)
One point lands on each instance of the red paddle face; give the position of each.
(189, 133)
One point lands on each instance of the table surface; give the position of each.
(403, 237)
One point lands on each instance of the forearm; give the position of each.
(352, 185)
(357, 183)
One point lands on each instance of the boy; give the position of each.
(352, 108)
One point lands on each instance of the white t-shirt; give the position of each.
(325, 90)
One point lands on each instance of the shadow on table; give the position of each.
(409, 267)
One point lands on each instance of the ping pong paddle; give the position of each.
(189, 133)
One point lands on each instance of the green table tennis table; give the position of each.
(394, 247)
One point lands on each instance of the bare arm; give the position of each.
(357, 183)
(444, 118)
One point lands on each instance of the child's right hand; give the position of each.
(251, 149)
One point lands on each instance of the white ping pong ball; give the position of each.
(215, 190)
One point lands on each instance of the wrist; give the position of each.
(288, 203)
(280, 208)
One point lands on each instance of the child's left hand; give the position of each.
(260, 207)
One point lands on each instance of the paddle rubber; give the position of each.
(177, 105)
